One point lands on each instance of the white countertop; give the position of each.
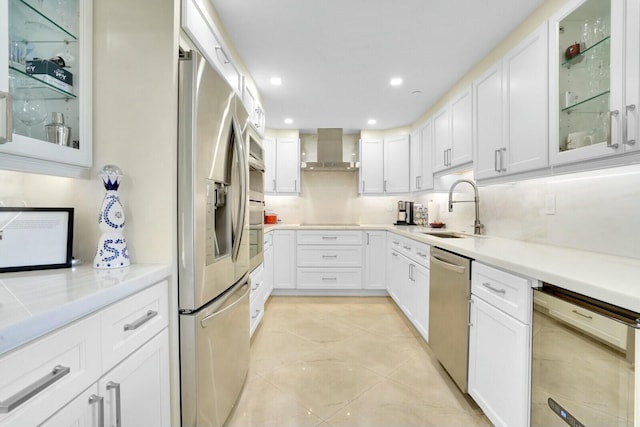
(33, 303)
(613, 279)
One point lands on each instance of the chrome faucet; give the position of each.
(477, 226)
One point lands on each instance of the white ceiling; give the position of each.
(336, 57)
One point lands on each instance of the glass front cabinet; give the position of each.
(593, 63)
(45, 67)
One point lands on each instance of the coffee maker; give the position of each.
(405, 213)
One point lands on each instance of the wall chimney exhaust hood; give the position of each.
(330, 153)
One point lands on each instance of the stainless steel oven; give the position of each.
(256, 197)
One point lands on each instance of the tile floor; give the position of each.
(342, 361)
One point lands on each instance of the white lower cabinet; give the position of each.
(375, 265)
(408, 280)
(81, 391)
(284, 262)
(137, 391)
(500, 345)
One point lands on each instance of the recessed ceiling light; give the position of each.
(288, 121)
(396, 81)
(372, 121)
(276, 81)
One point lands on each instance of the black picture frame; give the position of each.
(68, 244)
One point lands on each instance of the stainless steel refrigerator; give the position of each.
(213, 289)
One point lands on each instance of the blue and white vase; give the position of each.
(112, 247)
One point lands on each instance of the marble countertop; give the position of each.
(34, 303)
(613, 279)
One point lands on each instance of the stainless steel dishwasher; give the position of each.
(450, 289)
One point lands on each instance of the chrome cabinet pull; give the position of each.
(394, 254)
(141, 321)
(295, 185)
(496, 153)
(256, 315)
(257, 286)
(444, 161)
(100, 400)
(422, 254)
(329, 279)
(384, 185)
(31, 390)
(363, 185)
(367, 239)
(329, 237)
(503, 151)
(274, 185)
(496, 290)
(8, 112)
(629, 108)
(329, 256)
(406, 248)
(116, 386)
(582, 314)
(612, 114)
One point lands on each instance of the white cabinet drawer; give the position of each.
(257, 280)
(329, 237)
(76, 347)
(268, 241)
(329, 256)
(130, 323)
(505, 291)
(614, 333)
(324, 278)
(416, 251)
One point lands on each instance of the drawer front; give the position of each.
(416, 251)
(327, 256)
(257, 280)
(268, 241)
(76, 347)
(130, 323)
(610, 331)
(329, 237)
(505, 291)
(327, 278)
(256, 311)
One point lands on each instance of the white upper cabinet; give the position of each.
(371, 166)
(287, 171)
(510, 111)
(282, 165)
(452, 133)
(593, 90)
(396, 164)
(254, 108)
(384, 165)
(58, 86)
(421, 157)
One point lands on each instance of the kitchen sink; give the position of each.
(444, 235)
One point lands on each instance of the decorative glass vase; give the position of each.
(112, 248)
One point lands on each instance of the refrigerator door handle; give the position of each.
(242, 208)
(222, 303)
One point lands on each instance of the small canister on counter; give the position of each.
(270, 218)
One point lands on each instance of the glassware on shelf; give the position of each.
(29, 110)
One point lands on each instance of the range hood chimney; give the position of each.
(329, 153)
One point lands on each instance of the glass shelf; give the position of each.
(587, 105)
(580, 57)
(40, 88)
(31, 25)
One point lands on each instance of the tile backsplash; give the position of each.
(594, 211)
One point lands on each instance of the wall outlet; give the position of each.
(550, 204)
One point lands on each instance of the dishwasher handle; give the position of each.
(445, 264)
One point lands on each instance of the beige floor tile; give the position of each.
(342, 361)
(322, 382)
(262, 404)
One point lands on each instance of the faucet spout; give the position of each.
(477, 225)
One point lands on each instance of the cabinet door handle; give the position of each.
(116, 387)
(444, 160)
(5, 97)
(582, 315)
(496, 290)
(363, 187)
(503, 153)
(31, 390)
(496, 154)
(612, 114)
(630, 108)
(384, 185)
(295, 185)
(141, 321)
(367, 239)
(94, 398)
(274, 185)
(411, 266)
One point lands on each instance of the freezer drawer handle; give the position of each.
(228, 296)
(491, 288)
(27, 393)
(582, 314)
(141, 321)
(116, 386)
(100, 400)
